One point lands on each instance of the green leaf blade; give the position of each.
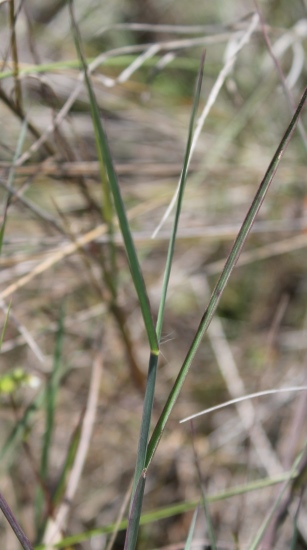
(181, 188)
(222, 281)
(106, 158)
(153, 362)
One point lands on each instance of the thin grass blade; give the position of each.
(107, 207)
(146, 418)
(135, 514)
(153, 361)
(117, 61)
(182, 182)
(69, 461)
(5, 320)
(173, 510)
(296, 466)
(51, 396)
(68, 464)
(203, 493)
(189, 540)
(295, 524)
(243, 398)
(3, 228)
(20, 143)
(222, 281)
(207, 513)
(106, 158)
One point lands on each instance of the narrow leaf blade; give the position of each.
(182, 182)
(105, 155)
(50, 403)
(153, 361)
(222, 281)
(189, 540)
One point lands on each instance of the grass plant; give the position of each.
(95, 225)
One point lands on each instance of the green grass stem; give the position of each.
(189, 540)
(50, 403)
(119, 61)
(68, 464)
(182, 182)
(222, 281)
(153, 361)
(5, 323)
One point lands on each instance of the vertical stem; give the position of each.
(23, 539)
(18, 94)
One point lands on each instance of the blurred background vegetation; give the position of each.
(51, 197)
